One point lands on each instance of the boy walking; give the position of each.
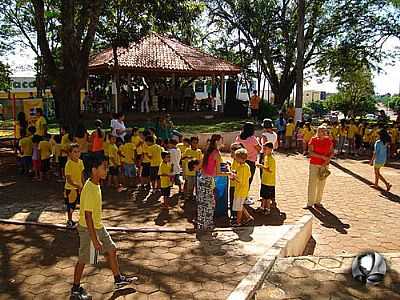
(73, 182)
(92, 233)
(192, 153)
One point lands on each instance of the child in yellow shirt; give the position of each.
(114, 165)
(308, 133)
(342, 136)
(45, 152)
(352, 130)
(128, 151)
(233, 167)
(290, 127)
(165, 173)
(25, 149)
(190, 176)
(394, 135)
(242, 186)
(267, 191)
(153, 153)
(74, 181)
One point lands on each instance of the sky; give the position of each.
(387, 81)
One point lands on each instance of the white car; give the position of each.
(371, 117)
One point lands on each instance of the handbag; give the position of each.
(324, 172)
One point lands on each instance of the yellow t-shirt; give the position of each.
(40, 126)
(242, 185)
(57, 151)
(83, 144)
(289, 129)
(342, 131)
(335, 132)
(154, 151)
(268, 178)
(233, 168)
(128, 152)
(45, 150)
(106, 146)
(65, 142)
(113, 155)
(26, 146)
(182, 147)
(136, 140)
(91, 200)
(394, 133)
(308, 134)
(352, 131)
(74, 169)
(190, 154)
(145, 149)
(165, 172)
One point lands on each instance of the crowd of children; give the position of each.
(351, 137)
(142, 159)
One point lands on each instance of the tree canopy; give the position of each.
(268, 30)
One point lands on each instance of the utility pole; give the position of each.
(300, 60)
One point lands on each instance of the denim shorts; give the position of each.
(130, 170)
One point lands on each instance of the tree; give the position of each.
(5, 80)
(355, 96)
(269, 31)
(61, 33)
(315, 108)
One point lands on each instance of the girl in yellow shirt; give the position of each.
(308, 133)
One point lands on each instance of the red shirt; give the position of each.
(321, 146)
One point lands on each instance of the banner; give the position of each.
(30, 107)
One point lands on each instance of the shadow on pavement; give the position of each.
(388, 195)
(330, 220)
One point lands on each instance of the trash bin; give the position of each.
(221, 193)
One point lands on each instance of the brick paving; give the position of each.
(326, 278)
(356, 218)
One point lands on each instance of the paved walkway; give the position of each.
(355, 217)
(38, 263)
(326, 278)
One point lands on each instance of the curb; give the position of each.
(292, 243)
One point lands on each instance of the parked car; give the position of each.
(371, 117)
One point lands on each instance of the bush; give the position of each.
(267, 110)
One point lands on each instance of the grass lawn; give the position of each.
(197, 126)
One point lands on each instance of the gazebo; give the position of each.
(159, 56)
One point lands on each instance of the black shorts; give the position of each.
(177, 179)
(138, 159)
(267, 192)
(45, 164)
(166, 192)
(154, 173)
(63, 161)
(71, 198)
(114, 171)
(146, 170)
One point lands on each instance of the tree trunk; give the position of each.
(67, 97)
(300, 60)
(116, 74)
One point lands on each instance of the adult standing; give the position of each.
(248, 139)
(144, 106)
(21, 125)
(255, 105)
(320, 151)
(205, 198)
(280, 125)
(119, 130)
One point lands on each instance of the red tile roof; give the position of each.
(159, 54)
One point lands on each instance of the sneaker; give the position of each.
(249, 201)
(70, 224)
(124, 281)
(80, 294)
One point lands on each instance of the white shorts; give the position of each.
(238, 204)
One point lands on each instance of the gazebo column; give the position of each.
(223, 92)
(114, 92)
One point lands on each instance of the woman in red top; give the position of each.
(97, 139)
(320, 151)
